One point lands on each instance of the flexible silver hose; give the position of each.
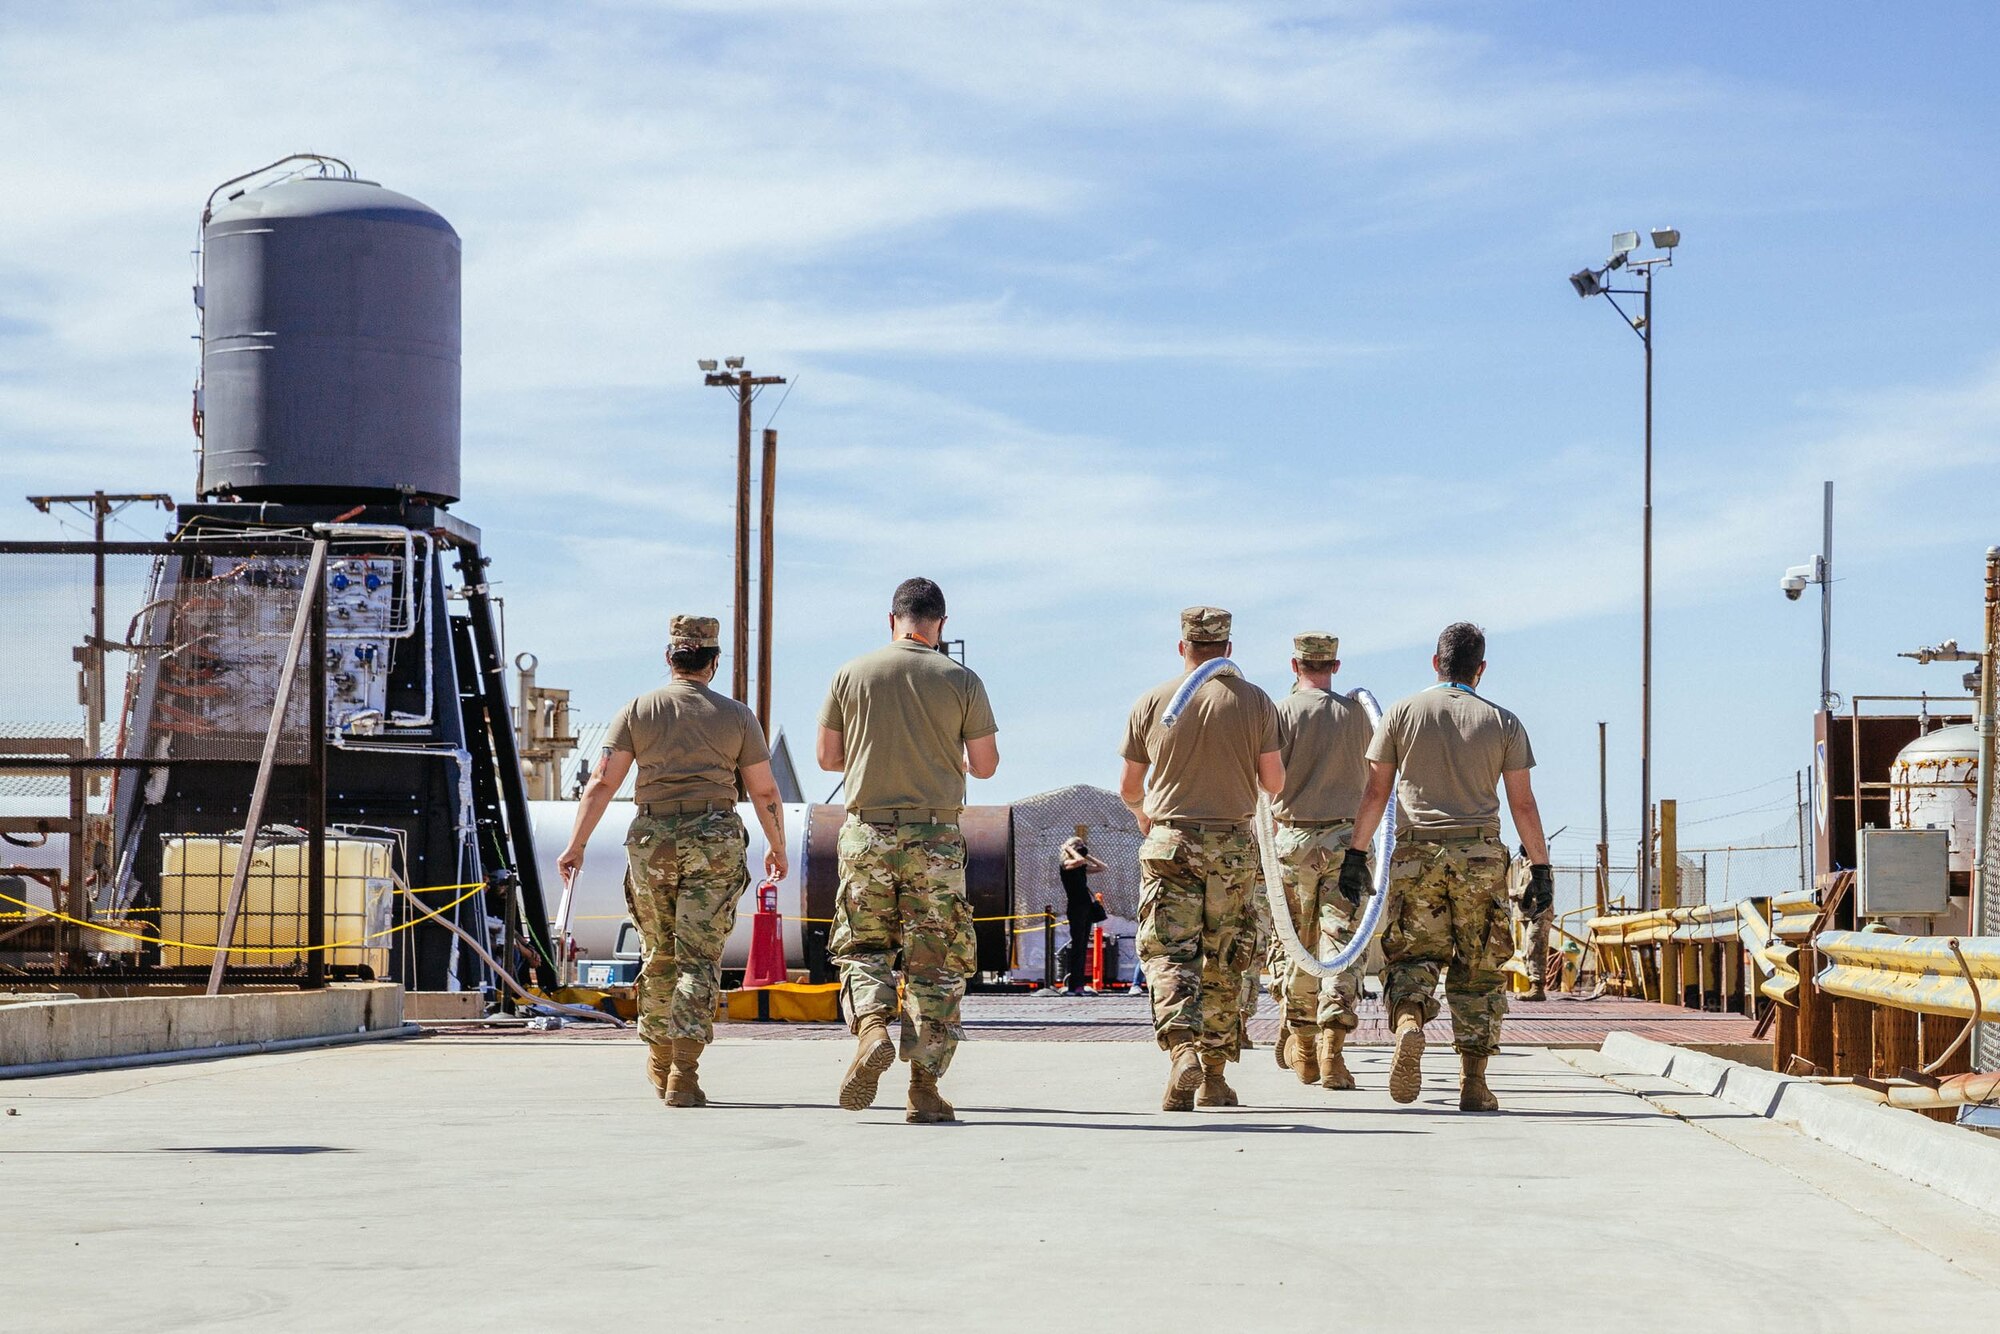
(1274, 883)
(1267, 843)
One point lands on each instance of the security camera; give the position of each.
(1797, 579)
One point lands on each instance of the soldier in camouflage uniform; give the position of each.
(1441, 753)
(685, 862)
(1323, 739)
(1263, 945)
(906, 724)
(1538, 926)
(1193, 787)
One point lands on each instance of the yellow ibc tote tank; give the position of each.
(196, 872)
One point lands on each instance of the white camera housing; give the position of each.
(1797, 579)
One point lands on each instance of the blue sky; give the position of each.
(1097, 311)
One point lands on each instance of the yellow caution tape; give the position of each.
(470, 890)
(827, 921)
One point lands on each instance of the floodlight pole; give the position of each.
(1646, 635)
(1642, 326)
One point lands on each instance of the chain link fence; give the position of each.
(138, 693)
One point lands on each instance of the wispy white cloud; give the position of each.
(994, 195)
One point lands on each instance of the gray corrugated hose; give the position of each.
(1274, 884)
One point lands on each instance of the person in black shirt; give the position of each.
(1077, 864)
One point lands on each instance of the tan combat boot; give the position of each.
(683, 1078)
(1184, 1074)
(659, 1063)
(926, 1105)
(1305, 1055)
(873, 1053)
(1473, 1095)
(1215, 1090)
(1406, 1073)
(1282, 1048)
(1333, 1071)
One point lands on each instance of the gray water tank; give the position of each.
(330, 345)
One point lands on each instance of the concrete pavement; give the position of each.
(494, 1183)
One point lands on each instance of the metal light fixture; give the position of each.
(706, 363)
(1598, 282)
(733, 363)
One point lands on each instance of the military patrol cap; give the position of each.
(700, 631)
(1315, 646)
(1205, 625)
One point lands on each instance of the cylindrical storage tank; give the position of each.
(330, 345)
(1933, 784)
(597, 906)
(989, 880)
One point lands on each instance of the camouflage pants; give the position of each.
(684, 876)
(1448, 912)
(1263, 941)
(1310, 861)
(902, 889)
(1195, 939)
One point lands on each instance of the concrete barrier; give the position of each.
(49, 1032)
(1962, 1163)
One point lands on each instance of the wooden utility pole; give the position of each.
(1670, 897)
(766, 555)
(101, 507)
(1603, 829)
(744, 384)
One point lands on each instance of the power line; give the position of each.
(1718, 796)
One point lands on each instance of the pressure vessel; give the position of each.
(330, 345)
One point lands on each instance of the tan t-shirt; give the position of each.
(1204, 767)
(905, 713)
(688, 741)
(1324, 739)
(1450, 747)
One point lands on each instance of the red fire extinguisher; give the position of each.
(766, 965)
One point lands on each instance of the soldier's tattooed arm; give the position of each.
(762, 789)
(612, 766)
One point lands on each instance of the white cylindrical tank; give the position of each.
(597, 904)
(1932, 785)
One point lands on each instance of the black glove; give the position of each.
(1540, 895)
(1355, 882)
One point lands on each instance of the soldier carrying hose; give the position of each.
(1193, 787)
(1323, 739)
(1442, 752)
